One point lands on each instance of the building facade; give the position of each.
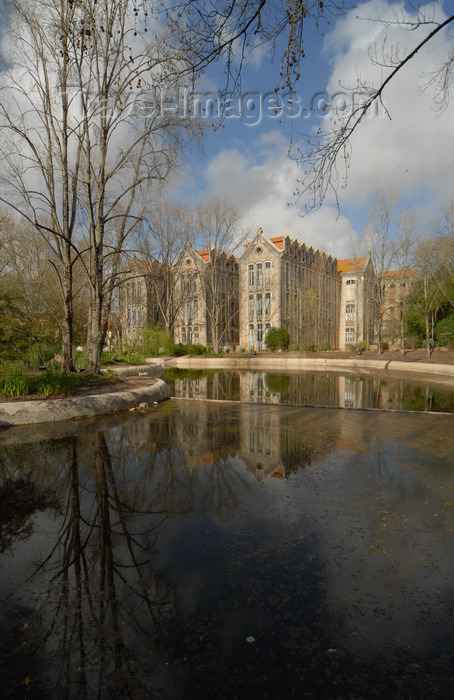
(206, 302)
(285, 284)
(141, 296)
(357, 313)
(212, 299)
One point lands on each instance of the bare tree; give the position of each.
(219, 234)
(165, 230)
(383, 251)
(82, 137)
(408, 234)
(427, 292)
(331, 147)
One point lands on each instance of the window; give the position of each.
(196, 335)
(259, 304)
(287, 277)
(134, 315)
(189, 335)
(267, 303)
(251, 336)
(259, 336)
(133, 290)
(250, 270)
(195, 309)
(259, 275)
(267, 272)
(349, 312)
(351, 281)
(129, 315)
(251, 307)
(183, 335)
(350, 335)
(139, 315)
(139, 290)
(128, 290)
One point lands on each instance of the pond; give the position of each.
(312, 389)
(206, 549)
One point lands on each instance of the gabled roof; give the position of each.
(278, 242)
(400, 273)
(205, 254)
(352, 264)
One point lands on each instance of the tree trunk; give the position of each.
(95, 335)
(402, 333)
(67, 325)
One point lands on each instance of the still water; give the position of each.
(334, 390)
(210, 550)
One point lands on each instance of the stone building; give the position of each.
(285, 284)
(396, 286)
(357, 315)
(206, 298)
(141, 297)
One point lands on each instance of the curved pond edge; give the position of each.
(53, 410)
(56, 410)
(438, 372)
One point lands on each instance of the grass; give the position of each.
(15, 383)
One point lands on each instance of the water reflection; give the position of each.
(139, 555)
(310, 390)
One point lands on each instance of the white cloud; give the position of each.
(409, 147)
(259, 181)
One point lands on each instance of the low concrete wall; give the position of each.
(443, 373)
(42, 411)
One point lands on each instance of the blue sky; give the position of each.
(410, 149)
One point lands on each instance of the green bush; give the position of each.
(414, 324)
(307, 347)
(384, 346)
(324, 346)
(198, 349)
(16, 384)
(277, 338)
(444, 331)
(155, 340)
(38, 354)
(53, 382)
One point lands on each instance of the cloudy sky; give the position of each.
(407, 144)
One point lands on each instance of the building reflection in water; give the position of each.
(139, 550)
(333, 390)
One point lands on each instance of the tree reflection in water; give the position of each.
(102, 597)
(153, 546)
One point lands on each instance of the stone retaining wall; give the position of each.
(443, 373)
(49, 411)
